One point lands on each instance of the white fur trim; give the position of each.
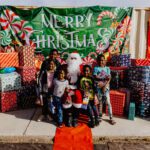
(77, 105)
(72, 87)
(67, 106)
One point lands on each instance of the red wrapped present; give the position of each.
(9, 60)
(26, 56)
(8, 101)
(140, 62)
(28, 75)
(117, 100)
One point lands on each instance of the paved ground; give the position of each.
(107, 146)
(21, 126)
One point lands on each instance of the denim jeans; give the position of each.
(101, 97)
(57, 103)
(92, 110)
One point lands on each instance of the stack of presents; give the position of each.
(130, 86)
(17, 88)
(130, 83)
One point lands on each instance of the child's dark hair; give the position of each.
(100, 56)
(87, 66)
(54, 50)
(59, 71)
(47, 64)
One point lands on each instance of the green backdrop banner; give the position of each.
(88, 30)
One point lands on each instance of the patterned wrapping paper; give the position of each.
(9, 60)
(26, 97)
(28, 75)
(139, 73)
(141, 96)
(140, 62)
(26, 56)
(121, 60)
(10, 81)
(8, 101)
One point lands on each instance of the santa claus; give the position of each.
(72, 101)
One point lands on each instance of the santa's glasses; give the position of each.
(73, 58)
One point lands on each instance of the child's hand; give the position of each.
(66, 89)
(104, 89)
(100, 84)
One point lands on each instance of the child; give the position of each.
(46, 87)
(60, 86)
(102, 79)
(87, 88)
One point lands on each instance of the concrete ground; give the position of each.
(21, 126)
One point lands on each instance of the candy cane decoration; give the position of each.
(61, 61)
(5, 38)
(87, 60)
(104, 13)
(32, 44)
(9, 20)
(26, 30)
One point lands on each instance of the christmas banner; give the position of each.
(88, 30)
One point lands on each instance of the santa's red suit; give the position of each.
(72, 100)
(73, 66)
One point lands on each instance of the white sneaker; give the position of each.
(41, 117)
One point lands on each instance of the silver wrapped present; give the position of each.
(10, 81)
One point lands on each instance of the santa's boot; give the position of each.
(68, 121)
(75, 123)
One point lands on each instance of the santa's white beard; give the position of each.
(73, 70)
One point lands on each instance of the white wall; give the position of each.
(77, 3)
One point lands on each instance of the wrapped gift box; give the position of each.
(9, 60)
(140, 62)
(131, 114)
(117, 100)
(26, 56)
(121, 60)
(28, 75)
(10, 81)
(26, 96)
(139, 73)
(8, 101)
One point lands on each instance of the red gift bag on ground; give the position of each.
(70, 138)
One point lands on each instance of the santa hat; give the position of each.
(76, 55)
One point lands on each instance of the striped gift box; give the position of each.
(8, 101)
(26, 56)
(140, 62)
(9, 60)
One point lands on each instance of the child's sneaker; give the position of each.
(41, 118)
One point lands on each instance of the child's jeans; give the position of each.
(92, 110)
(102, 97)
(57, 103)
